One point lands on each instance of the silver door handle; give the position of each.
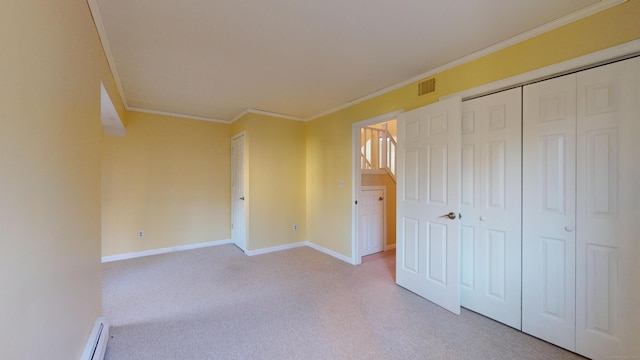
(242, 198)
(450, 215)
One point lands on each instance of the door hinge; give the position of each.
(356, 202)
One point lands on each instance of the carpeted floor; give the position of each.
(217, 303)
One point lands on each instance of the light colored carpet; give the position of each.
(217, 303)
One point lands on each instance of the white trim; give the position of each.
(184, 116)
(356, 175)
(275, 248)
(580, 14)
(163, 250)
(575, 64)
(330, 252)
(389, 247)
(102, 34)
(267, 113)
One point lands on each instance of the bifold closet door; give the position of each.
(608, 211)
(581, 211)
(490, 232)
(548, 211)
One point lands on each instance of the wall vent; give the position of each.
(427, 86)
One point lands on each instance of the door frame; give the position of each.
(356, 178)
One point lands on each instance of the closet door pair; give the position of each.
(581, 210)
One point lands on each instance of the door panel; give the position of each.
(491, 191)
(607, 225)
(428, 187)
(371, 223)
(548, 253)
(238, 192)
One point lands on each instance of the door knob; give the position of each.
(450, 215)
(242, 198)
(482, 218)
(568, 228)
(380, 198)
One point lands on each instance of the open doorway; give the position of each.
(374, 187)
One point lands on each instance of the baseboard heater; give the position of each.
(97, 344)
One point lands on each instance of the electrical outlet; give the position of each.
(140, 234)
(295, 226)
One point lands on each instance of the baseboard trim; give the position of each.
(329, 252)
(274, 249)
(389, 247)
(163, 250)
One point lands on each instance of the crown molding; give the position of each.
(552, 25)
(267, 113)
(184, 116)
(102, 34)
(567, 19)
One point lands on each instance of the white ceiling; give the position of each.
(216, 58)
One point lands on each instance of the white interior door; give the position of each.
(490, 233)
(608, 202)
(549, 241)
(238, 192)
(371, 224)
(429, 189)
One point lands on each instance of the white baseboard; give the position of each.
(163, 250)
(275, 248)
(329, 252)
(389, 247)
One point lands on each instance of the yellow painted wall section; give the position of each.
(329, 152)
(276, 180)
(51, 66)
(168, 177)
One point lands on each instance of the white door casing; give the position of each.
(238, 191)
(372, 219)
(428, 160)
(548, 244)
(608, 203)
(490, 234)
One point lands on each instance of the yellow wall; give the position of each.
(390, 185)
(329, 137)
(51, 66)
(276, 179)
(169, 177)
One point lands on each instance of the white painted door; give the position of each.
(238, 192)
(549, 241)
(608, 217)
(490, 233)
(371, 227)
(429, 189)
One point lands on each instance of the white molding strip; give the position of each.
(275, 248)
(330, 253)
(267, 113)
(581, 14)
(575, 64)
(163, 250)
(102, 34)
(184, 116)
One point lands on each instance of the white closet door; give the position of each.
(608, 218)
(490, 281)
(548, 253)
